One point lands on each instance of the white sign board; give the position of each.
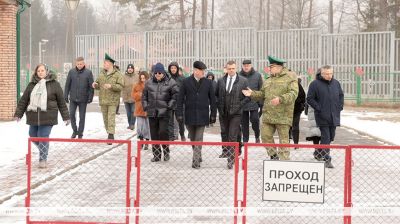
(294, 181)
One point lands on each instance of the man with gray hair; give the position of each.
(78, 92)
(325, 96)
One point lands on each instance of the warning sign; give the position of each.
(294, 181)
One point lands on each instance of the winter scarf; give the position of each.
(38, 97)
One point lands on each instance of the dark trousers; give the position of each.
(327, 136)
(82, 115)
(247, 117)
(232, 130)
(295, 129)
(171, 126)
(159, 131)
(196, 135)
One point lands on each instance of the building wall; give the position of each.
(8, 71)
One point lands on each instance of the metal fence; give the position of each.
(88, 181)
(334, 193)
(376, 54)
(172, 184)
(83, 181)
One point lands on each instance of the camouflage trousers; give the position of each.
(109, 118)
(267, 136)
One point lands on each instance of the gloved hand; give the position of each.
(66, 99)
(213, 120)
(67, 122)
(179, 119)
(90, 100)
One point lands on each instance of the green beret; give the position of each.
(108, 58)
(275, 60)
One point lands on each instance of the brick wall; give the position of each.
(8, 70)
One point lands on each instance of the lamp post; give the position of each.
(72, 5)
(41, 42)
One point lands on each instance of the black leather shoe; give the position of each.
(275, 157)
(195, 165)
(155, 159)
(73, 135)
(110, 136)
(166, 157)
(80, 136)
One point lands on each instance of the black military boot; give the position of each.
(274, 157)
(111, 137)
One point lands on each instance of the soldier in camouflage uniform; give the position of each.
(110, 83)
(279, 93)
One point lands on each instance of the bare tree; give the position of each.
(182, 14)
(204, 10)
(282, 14)
(268, 16)
(260, 14)
(310, 13)
(194, 14)
(212, 14)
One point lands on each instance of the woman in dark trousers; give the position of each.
(41, 101)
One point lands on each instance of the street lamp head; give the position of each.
(44, 40)
(72, 4)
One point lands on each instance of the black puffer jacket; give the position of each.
(78, 85)
(159, 97)
(55, 103)
(237, 101)
(255, 81)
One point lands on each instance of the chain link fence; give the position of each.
(80, 181)
(260, 211)
(172, 191)
(375, 195)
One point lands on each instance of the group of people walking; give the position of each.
(164, 103)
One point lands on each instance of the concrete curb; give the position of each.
(59, 173)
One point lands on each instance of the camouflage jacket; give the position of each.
(111, 96)
(284, 86)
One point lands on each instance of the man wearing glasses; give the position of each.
(158, 99)
(279, 92)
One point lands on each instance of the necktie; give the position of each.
(229, 85)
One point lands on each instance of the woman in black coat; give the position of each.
(41, 101)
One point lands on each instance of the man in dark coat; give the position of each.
(158, 99)
(230, 105)
(173, 70)
(326, 96)
(251, 109)
(298, 109)
(78, 93)
(197, 96)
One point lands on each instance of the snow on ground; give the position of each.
(377, 124)
(15, 134)
(14, 143)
